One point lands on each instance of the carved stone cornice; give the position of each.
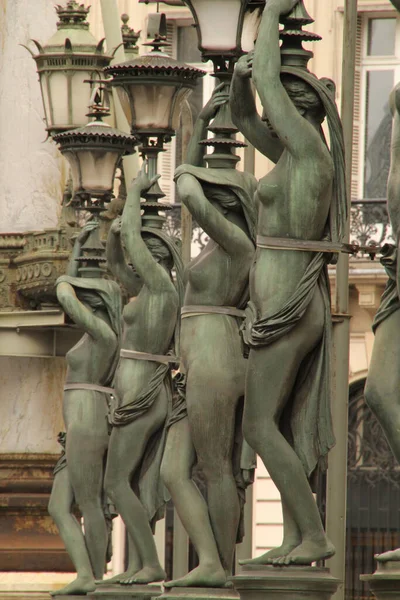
(30, 264)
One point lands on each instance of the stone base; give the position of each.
(257, 582)
(125, 592)
(197, 593)
(385, 582)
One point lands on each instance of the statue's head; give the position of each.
(223, 197)
(91, 298)
(304, 97)
(159, 250)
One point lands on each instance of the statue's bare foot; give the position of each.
(147, 575)
(79, 587)
(113, 580)
(273, 555)
(201, 576)
(386, 556)
(310, 551)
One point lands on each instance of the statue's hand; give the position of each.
(143, 181)
(219, 97)
(244, 66)
(84, 234)
(116, 226)
(283, 6)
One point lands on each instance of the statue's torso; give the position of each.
(90, 360)
(214, 278)
(294, 198)
(149, 324)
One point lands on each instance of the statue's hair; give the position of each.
(303, 96)
(92, 298)
(158, 249)
(323, 88)
(225, 197)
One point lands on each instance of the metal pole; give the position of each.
(112, 30)
(337, 471)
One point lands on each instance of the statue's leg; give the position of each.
(382, 390)
(126, 450)
(176, 471)
(60, 505)
(212, 396)
(271, 375)
(85, 450)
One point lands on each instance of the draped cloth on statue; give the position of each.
(390, 301)
(147, 481)
(310, 425)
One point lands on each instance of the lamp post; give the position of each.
(64, 64)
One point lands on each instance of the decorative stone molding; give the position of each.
(30, 264)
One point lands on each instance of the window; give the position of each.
(380, 69)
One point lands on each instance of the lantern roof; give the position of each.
(154, 63)
(96, 132)
(72, 33)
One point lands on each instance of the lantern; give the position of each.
(71, 57)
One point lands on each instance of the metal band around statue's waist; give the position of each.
(88, 386)
(194, 311)
(276, 243)
(160, 358)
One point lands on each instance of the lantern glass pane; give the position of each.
(75, 170)
(152, 105)
(181, 95)
(81, 93)
(59, 99)
(125, 104)
(46, 100)
(251, 25)
(98, 169)
(218, 21)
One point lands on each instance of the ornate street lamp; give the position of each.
(70, 58)
(93, 152)
(152, 89)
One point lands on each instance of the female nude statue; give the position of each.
(287, 415)
(221, 201)
(94, 304)
(382, 391)
(142, 382)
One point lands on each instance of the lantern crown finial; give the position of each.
(72, 15)
(129, 36)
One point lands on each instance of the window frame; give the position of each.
(368, 64)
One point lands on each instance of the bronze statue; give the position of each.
(382, 390)
(142, 382)
(288, 322)
(221, 201)
(94, 304)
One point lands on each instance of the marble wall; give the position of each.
(30, 404)
(32, 171)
